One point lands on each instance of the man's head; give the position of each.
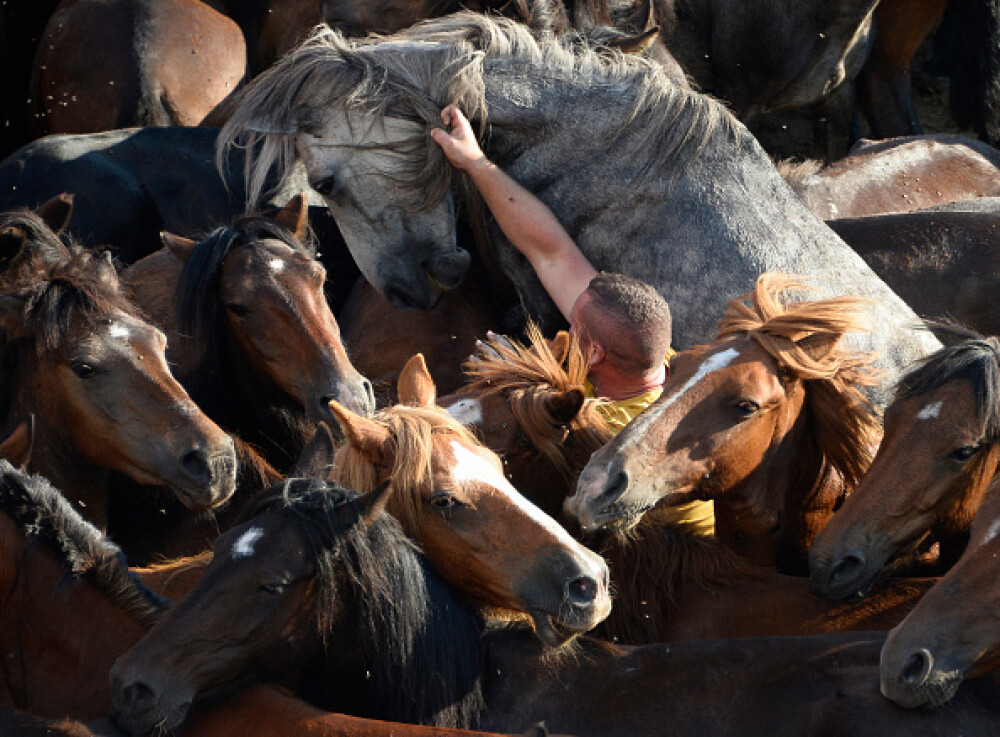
(623, 320)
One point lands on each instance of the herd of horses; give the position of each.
(434, 533)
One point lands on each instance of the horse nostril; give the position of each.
(195, 462)
(847, 568)
(582, 591)
(136, 695)
(616, 486)
(369, 391)
(917, 668)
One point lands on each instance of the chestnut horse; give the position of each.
(450, 495)
(671, 584)
(901, 175)
(952, 633)
(940, 451)
(93, 373)
(308, 590)
(768, 421)
(162, 62)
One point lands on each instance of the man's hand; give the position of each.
(459, 143)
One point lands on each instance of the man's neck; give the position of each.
(611, 384)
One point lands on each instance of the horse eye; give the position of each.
(238, 310)
(747, 407)
(273, 589)
(83, 370)
(326, 186)
(964, 453)
(443, 501)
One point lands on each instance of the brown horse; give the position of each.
(940, 451)
(93, 373)
(450, 494)
(952, 633)
(768, 421)
(901, 175)
(256, 343)
(340, 576)
(161, 62)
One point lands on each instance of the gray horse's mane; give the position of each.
(372, 77)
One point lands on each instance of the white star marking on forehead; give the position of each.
(930, 411)
(244, 546)
(276, 265)
(117, 330)
(466, 411)
(471, 467)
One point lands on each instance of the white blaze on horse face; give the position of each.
(711, 364)
(471, 467)
(931, 411)
(466, 411)
(244, 546)
(992, 532)
(117, 330)
(276, 265)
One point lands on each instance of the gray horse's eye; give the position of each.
(326, 186)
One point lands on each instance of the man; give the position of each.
(623, 325)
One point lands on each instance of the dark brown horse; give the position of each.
(450, 495)
(340, 575)
(768, 422)
(952, 633)
(940, 451)
(93, 373)
(162, 62)
(901, 175)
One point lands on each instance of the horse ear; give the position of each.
(316, 459)
(181, 247)
(559, 346)
(57, 211)
(367, 436)
(294, 217)
(370, 505)
(637, 44)
(12, 242)
(564, 406)
(415, 385)
(17, 447)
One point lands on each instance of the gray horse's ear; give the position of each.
(294, 217)
(638, 44)
(316, 459)
(181, 247)
(373, 503)
(57, 211)
(17, 447)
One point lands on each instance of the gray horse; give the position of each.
(650, 179)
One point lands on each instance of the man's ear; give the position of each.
(595, 354)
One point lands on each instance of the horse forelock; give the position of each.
(804, 338)
(410, 626)
(411, 431)
(526, 375)
(975, 359)
(42, 513)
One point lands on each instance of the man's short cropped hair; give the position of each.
(630, 320)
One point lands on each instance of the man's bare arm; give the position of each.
(529, 225)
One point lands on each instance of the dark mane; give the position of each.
(650, 565)
(421, 644)
(44, 515)
(975, 359)
(37, 240)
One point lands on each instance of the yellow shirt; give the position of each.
(698, 515)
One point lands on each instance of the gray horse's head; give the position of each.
(358, 115)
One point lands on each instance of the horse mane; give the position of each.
(35, 231)
(371, 77)
(410, 429)
(804, 338)
(83, 283)
(421, 644)
(650, 564)
(524, 375)
(42, 513)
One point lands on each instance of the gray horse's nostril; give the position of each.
(917, 668)
(582, 591)
(616, 486)
(136, 695)
(847, 568)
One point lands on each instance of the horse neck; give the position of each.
(60, 635)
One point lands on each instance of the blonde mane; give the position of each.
(524, 375)
(411, 447)
(804, 338)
